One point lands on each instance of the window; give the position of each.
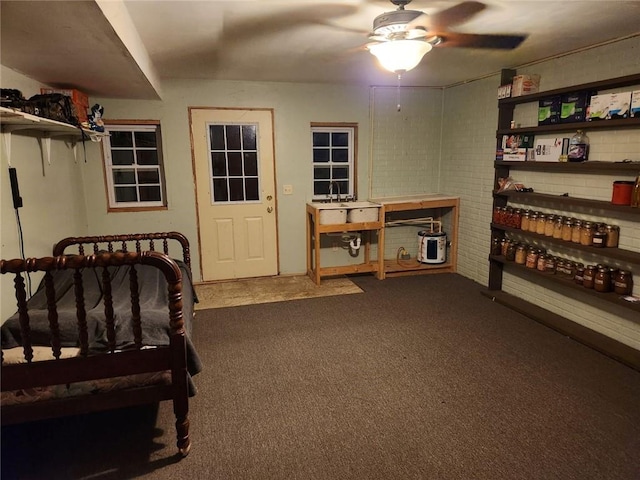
(133, 166)
(234, 163)
(334, 165)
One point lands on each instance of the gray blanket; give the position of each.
(154, 311)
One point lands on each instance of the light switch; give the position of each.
(287, 189)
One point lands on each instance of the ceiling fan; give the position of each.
(416, 33)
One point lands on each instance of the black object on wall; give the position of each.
(15, 191)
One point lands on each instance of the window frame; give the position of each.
(133, 126)
(352, 130)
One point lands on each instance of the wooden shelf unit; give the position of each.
(497, 264)
(314, 230)
(413, 207)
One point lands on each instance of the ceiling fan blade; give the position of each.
(454, 15)
(470, 40)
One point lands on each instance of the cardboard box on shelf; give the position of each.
(599, 107)
(516, 148)
(79, 99)
(525, 84)
(634, 111)
(550, 149)
(549, 111)
(504, 91)
(574, 107)
(619, 106)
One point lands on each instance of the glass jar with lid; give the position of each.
(613, 233)
(576, 230)
(550, 265)
(533, 222)
(602, 280)
(586, 233)
(511, 251)
(599, 239)
(567, 228)
(521, 254)
(540, 224)
(532, 257)
(524, 221)
(548, 225)
(588, 276)
(578, 276)
(557, 226)
(623, 283)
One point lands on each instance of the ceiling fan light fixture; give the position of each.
(400, 56)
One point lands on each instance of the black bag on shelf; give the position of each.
(11, 98)
(53, 106)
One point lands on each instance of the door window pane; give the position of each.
(234, 163)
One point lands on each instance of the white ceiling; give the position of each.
(126, 48)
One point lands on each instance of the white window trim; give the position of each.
(109, 167)
(350, 130)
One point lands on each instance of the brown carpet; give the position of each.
(269, 289)
(417, 378)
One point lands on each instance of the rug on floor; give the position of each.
(269, 289)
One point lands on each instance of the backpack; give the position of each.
(54, 106)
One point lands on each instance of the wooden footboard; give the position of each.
(90, 364)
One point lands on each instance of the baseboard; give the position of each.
(603, 344)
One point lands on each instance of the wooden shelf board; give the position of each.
(610, 297)
(606, 345)
(589, 167)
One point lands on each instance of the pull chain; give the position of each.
(398, 92)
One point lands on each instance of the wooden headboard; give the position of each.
(110, 243)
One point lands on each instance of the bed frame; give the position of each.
(107, 251)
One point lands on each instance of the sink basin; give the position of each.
(330, 213)
(363, 215)
(346, 212)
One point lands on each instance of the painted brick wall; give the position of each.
(405, 151)
(469, 124)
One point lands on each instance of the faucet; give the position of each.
(330, 194)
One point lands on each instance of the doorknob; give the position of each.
(269, 197)
(269, 209)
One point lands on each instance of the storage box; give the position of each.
(549, 111)
(634, 111)
(504, 91)
(599, 107)
(573, 107)
(513, 142)
(550, 149)
(80, 100)
(620, 104)
(517, 155)
(525, 84)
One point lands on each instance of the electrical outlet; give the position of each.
(287, 189)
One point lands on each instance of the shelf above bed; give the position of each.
(17, 122)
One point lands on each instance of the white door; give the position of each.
(233, 159)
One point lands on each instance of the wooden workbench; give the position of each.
(415, 206)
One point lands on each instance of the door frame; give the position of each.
(195, 183)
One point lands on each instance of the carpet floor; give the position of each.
(416, 378)
(269, 289)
